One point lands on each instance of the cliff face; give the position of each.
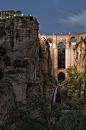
(19, 61)
(23, 57)
(80, 58)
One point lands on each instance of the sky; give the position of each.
(55, 16)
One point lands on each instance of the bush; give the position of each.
(83, 122)
(17, 117)
(51, 127)
(74, 84)
(2, 50)
(79, 104)
(56, 111)
(7, 61)
(38, 103)
(66, 121)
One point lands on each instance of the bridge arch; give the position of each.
(72, 40)
(61, 55)
(61, 76)
(60, 43)
(50, 41)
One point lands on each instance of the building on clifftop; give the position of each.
(6, 14)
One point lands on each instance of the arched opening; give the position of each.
(73, 39)
(49, 40)
(61, 55)
(61, 77)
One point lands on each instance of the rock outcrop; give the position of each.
(23, 57)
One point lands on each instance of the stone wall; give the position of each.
(70, 54)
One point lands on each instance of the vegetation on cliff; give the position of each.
(74, 119)
(74, 91)
(74, 87)
(21, 119)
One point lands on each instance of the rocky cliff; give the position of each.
(23, 59)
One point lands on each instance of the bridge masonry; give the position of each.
(70, 54)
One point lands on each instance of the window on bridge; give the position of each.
(73, 39)
(61, 55)
(61, 77)
(50, 40)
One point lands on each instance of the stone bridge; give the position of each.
(69, 52)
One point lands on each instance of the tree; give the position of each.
(17, 13)
(74, 84)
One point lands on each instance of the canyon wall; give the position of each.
(23, 58)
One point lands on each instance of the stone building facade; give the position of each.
(73, 56)
(6, 14)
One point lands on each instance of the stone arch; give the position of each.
(61, 55)
(60, 43)
(50, 41)
(61, 77)
(72, 40)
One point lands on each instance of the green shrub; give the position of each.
(17, 117)
(56, 111)
(7, 61)
(74, 84)
(79, 104)
(2, 50)
(66, 121)
(83, 122)
(51, 127)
